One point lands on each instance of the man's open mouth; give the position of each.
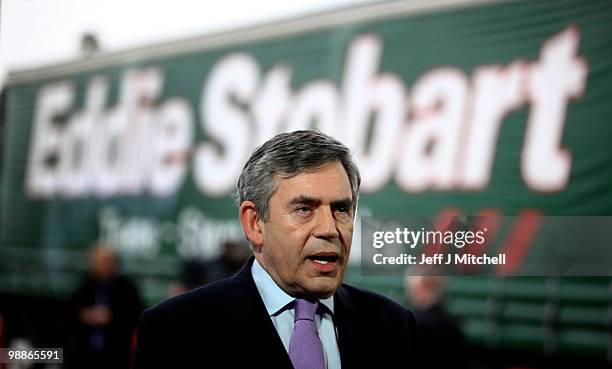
(324, 258)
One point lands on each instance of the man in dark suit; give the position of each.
(287, 307)
(107, 306)
(438, 328)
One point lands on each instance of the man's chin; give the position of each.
(324, 289)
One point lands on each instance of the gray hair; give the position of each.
(289, 154)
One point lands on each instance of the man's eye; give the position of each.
(343, 209)
(303, 210)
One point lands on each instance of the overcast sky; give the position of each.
(39, 32)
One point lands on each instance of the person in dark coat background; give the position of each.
(442, 342)
(107, 308)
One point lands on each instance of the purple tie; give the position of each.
(305, 348)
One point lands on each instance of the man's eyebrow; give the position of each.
(342, 202)
(314, 202)
(305, 200)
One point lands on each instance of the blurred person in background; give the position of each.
(442, 342)
(196, 272)
(191, 275)
(107, 309)
(232, 258)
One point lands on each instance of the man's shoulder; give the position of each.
(377, 315)
(173, 332)
(373, 304)
(192, 303)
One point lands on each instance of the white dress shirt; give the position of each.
(279, 305)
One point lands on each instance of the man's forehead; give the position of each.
(328, 183)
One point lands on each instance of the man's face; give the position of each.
(307, 239)
(102, 263)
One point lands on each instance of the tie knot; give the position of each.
(304, 309)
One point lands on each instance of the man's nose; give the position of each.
(325, 224)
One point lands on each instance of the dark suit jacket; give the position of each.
(225, 325)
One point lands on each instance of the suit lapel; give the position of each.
(248, 311)
(347, 321)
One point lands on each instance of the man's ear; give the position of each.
(250, 221)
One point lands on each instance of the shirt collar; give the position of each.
(274, 298)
